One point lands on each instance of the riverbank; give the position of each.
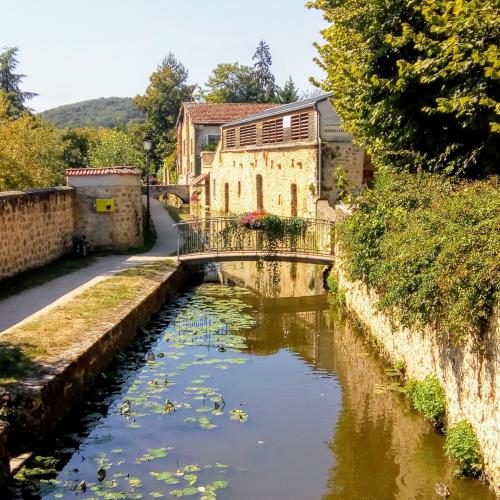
(80, 338)
(470, 378)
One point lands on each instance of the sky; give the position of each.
(74, 50)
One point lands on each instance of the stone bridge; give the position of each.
(179, 190)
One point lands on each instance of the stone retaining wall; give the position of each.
(36, 227)
(471, 380)
(41, 402)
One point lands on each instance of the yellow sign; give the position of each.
(105, 205)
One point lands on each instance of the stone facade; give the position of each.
(234, 181)
(119, 229)
(36, 227)
(289, 167)
(471, 379)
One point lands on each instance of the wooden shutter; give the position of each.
(272, 131)
(248, 135)
(300, 126)
(231, 138)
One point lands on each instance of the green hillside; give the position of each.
(103, 112)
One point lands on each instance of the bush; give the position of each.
(428, 398)
(462, 445)
(333, 286)
(430, 247)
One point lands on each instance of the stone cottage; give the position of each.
(283, 159)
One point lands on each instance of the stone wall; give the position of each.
(279, 168)
(36, 227)
(346, 155)
(119, 229)
(471, 379)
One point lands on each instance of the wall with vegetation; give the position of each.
(36, 227)
(471, 379)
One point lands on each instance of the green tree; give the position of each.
(31, 154)
(114, 147)
(10, 82)
(289, 93)
(417, 82)
(263, 73)
(232, 82)
(163, 98)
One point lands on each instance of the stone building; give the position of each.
(284, 160)
(198, 133)
(107, 206)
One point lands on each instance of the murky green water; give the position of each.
(246, 398)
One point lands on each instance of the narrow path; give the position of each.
(26, 305)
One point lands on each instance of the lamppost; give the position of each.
(147, 145)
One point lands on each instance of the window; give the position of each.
(239, 189)
(213, 188)
(300, 126)
(226, 198)
(248, 135)
(293, 201)
(260, 194)
(272, 131)
(231, 138)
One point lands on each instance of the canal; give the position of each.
(252, 386)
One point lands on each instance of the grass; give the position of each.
(64, 331)
(177, 213)
(37, 277)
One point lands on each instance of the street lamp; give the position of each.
(147, 145)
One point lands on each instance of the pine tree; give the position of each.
(262, 68)
(289, 93)
(10, 82)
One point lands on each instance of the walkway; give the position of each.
(26, 305)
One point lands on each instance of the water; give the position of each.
(274, 398)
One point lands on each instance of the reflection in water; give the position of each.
(316, 428)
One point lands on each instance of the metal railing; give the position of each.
(218, 235)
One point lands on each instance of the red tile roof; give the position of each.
(219, 113)
(103, 171)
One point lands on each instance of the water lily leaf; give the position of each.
(191, 478)
(192, 468)
(221, 466)
(239, 415)
(219, 484)
(134, 481)
(191, 490)
(156, 494)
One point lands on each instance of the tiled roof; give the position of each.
(103, 171)
(279, 110)
(219, 113)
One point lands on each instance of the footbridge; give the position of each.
(179, 190)
(222, 239)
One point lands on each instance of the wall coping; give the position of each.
(71, 172)
(33, 192)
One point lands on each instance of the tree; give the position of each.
(31, 154)
(114, 147)
(417, 82)
(232, 83)
(289, 93)
(262, 69)
(10, 82)
(163, 98)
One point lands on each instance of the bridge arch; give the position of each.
(179, 190)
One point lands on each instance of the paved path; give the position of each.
(27, 305)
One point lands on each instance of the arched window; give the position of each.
(259, 190)
(293, 196)
(226, 198)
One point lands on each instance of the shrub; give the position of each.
(428, 398)
(430, 247)
(332, 283)
(462, 445)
